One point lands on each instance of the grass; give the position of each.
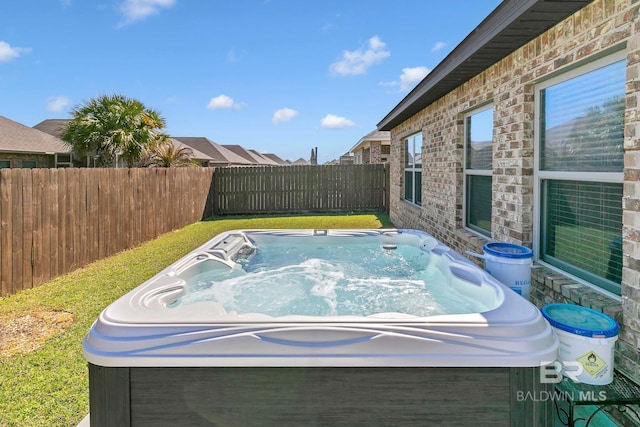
(49, 386)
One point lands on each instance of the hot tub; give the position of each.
(190, 347)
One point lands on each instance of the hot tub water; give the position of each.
(302, 278)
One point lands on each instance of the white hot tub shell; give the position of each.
(142, 333)
(140, 330)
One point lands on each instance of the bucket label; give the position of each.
(591, 362)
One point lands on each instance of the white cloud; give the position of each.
(438, 46)
(8, 53)
(223, 102)
(376, 43)
(232, 57)
(57, 104)
(358, 61)
(411, 76)
(331, 121)
(388, 84)
(137, 10)
(408, 79)
(283, 115)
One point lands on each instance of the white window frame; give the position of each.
(63, 164)
(414, 169)
(542, 175)
(475, 172)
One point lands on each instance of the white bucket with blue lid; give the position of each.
(510, 264)
(587, 340)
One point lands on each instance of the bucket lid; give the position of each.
(580, 320)
(507, 250)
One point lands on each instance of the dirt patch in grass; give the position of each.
(25, 332)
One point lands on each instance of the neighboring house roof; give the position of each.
(53, 127)
(219, 154)
(346, 159)
(277, 159)
(195, 154)
(301, 162)
(239, 151)
(203, 148)
(266, 159)
(511, 25)
(376, 135)
(252, 157)
(18, 138)
(481, 155)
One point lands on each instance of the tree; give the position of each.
(164, 153)
(108, 127)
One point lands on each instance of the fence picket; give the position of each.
(16, 235)
(55, 220)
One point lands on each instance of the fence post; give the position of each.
(215, 191)
(387, 188)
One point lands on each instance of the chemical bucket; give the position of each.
(510, 264)
(587, 340)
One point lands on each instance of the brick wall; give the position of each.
(509, 84)
(374, 154)
(42, 160)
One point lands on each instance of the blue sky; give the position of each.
(278, 76)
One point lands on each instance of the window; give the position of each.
(413, 169)
(29, 164)
(5, 164)
(63, 160)
(579, 171)
(478, 167)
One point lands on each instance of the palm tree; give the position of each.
(108, 127)
(165, 153)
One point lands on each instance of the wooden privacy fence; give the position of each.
(289, 189)
(53, 221)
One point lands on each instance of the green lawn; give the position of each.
(49, 386)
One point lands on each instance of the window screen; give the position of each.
(583, 125)
(580, 173)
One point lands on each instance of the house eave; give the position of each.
(510, 26)
(32, 152)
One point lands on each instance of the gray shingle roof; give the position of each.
(196, 154)
(252, 157)
(18, 138)
(277, 159)
(53, 127)
(219, 154)
(376, 135)
(241, 152)
(203, 148)
(264, 160)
